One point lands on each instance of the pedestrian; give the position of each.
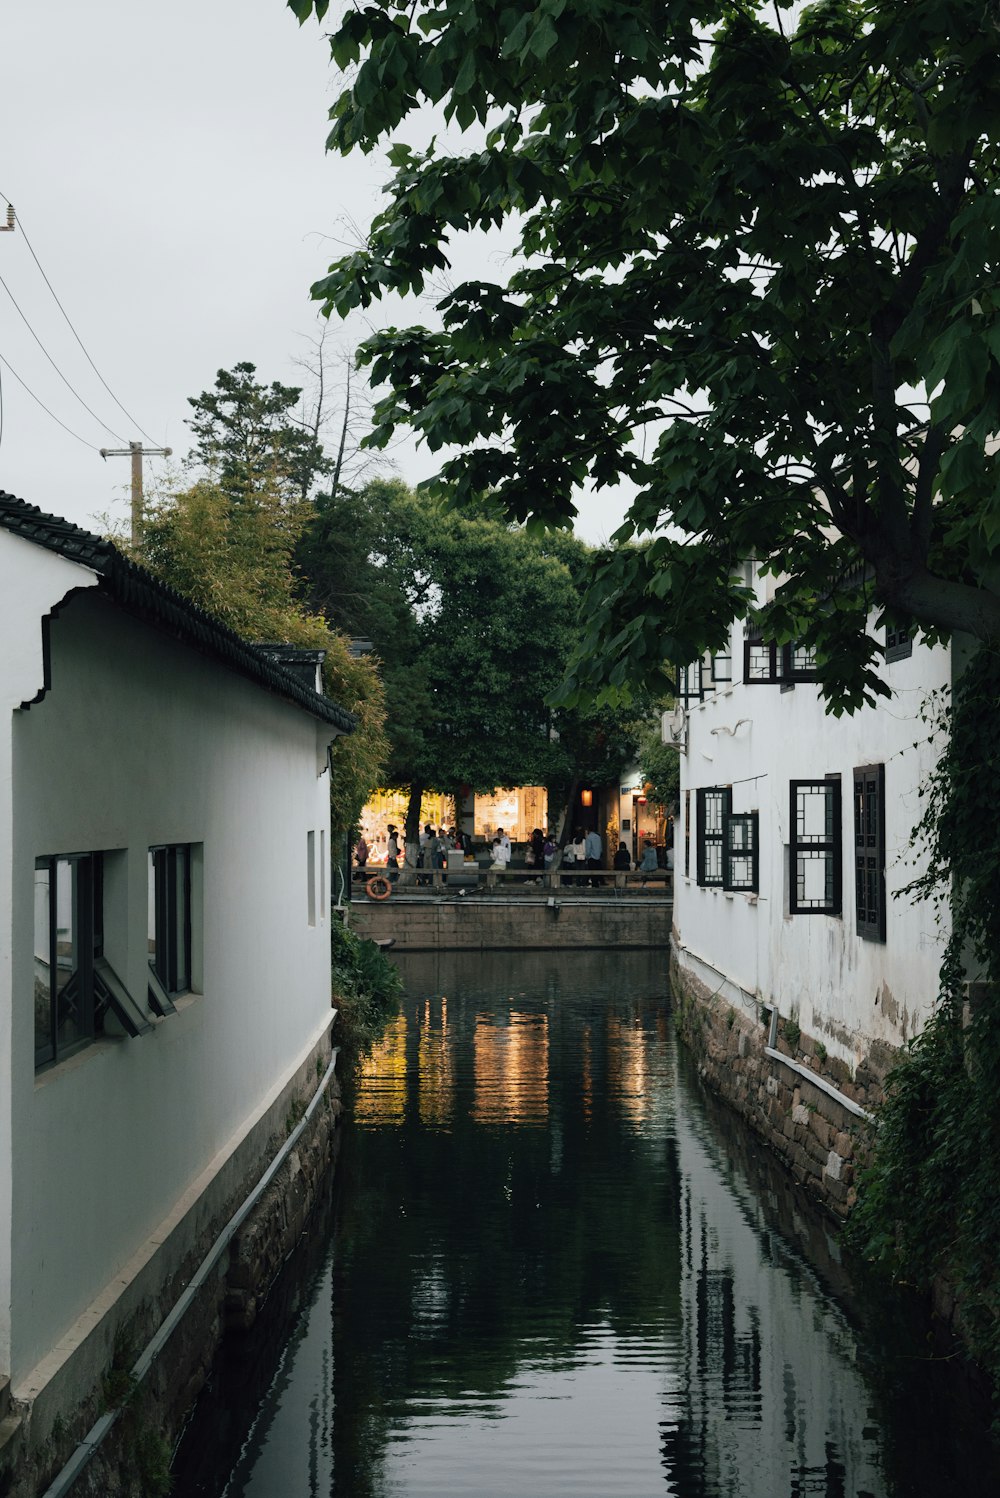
(621, 859)
(361, 852)
(595, 852)
(579, 847)
(392, 854)
(537, 849)
(649, 863)
(549, 850)
(505, 844)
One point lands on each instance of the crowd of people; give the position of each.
(585, 850)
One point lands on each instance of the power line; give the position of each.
(55, 366)
(6, 363)
(62, 309)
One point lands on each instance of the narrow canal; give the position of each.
(551, 1266)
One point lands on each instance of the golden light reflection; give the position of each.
(437, 1067)
(511, 1068)
(588, 1076)
(627, 1069)
(381, 1096)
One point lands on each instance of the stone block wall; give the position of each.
(822, 1142)
(477, 925)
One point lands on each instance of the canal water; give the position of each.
(551, 1267)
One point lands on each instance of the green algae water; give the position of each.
(552, 1266)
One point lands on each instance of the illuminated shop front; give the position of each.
(518, 811)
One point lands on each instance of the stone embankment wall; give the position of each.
(504, 925)
(822, 1141)
(133, 1459)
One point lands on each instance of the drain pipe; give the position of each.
(92, 1440)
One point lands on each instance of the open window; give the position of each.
(815, 854)
(713, 805)
(169, 925)
(77, 993)
(740, 864)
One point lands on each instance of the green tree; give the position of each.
(232, 557)
(473, 621)
(659, 764)
(248, 436)
(749, 241)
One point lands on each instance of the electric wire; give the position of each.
(55, 366)
(62, 309)
(7, 365)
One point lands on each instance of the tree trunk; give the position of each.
(564, 827)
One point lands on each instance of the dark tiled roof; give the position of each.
(141, 593)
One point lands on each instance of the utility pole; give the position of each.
(136, 452)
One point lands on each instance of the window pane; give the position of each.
(43, 963)
(71, 1022)
(151, 909)
(814, 814)
(814, 878)
(181, 905)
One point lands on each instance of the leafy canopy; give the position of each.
(472, 622)
(750, 241)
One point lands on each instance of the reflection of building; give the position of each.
(436, 1062)
(165, 988)
(511, 1068)
(382, 1099)
(756, 1396)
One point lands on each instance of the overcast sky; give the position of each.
(167, 163)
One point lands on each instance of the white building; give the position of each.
(164, 941)
(794, 845)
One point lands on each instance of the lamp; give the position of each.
(586, 798)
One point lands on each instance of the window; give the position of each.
(311, 875)
(722, 669)
(75, 988)
(739, 851)
(691, 682)
(869, 851)
(169, 925)
(898, 643)
(687, 834)
(770, 664)
(815, 848)
(714, 803)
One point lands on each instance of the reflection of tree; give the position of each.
(541, 1233)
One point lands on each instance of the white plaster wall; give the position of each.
(32, 581)
(844, 989)
(142, 740)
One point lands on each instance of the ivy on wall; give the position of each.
(929, 1206)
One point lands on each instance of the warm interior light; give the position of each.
(586, 798)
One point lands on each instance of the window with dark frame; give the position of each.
(740, 867)
(722, 669)
(898, 642)
(869, 851)
(691, 682)
(815, 853)
(687, 834)
(75, 987)
(768, 664)
(169, 928)
(714, 804)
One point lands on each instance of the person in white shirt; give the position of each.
(504, 844)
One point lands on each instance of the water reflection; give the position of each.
(559, 1269)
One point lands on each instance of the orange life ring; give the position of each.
(378, 887)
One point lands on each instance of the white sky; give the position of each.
(168, 164)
